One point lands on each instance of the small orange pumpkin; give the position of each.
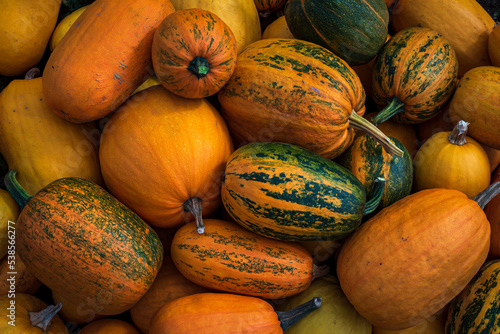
(193, 53)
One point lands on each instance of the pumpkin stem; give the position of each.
(320, 271)
(43, 318)
(487, 194)
(359, 123)
(199, 66)
(378, 191)
(395, 106)
(290, 317)
(32, 73)
(193, 205)
(459, 133)
(15, 189)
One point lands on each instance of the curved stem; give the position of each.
(32, 73)
(199, 66)
(193, 205)
(290, 317)
(43, 318)
(458, 136)
(395, 106)
(15, 189)
(374, 202)
(359, 123)
(487, 194)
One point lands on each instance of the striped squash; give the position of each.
(229, 258)
(286, 192)
(355, 30)
(84, 245)
(297, 92)
(476, 309)
(414, 76)
(366, 159)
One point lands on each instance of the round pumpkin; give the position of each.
(105, 326)
(452, 160)
(464, 23)
(476, 102)
(194, 53)
(161, 154)
(414, 76)
(27, 314)
(492, 210)
(428, 246)
(494, 45)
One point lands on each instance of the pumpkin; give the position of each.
(38, 144)
(367, 160)
(476, 102)
(26, 29)
(20, 281)
(105, 326)
(475, 309)
(297, 92)
(429, 245)
(63, 26)
(168, 285)
(464, 23)
(230, 258)
(492, 210)
(113, 265)
(414, 76)
(169, 188)
(277, 29)
(214, 313)
(286, 192)
(241, 16)
(356, 29)
(452, 160)
(336, 314)
(85, 86)
(27, 314)
(269, 5)
(494, 45)
(193, 53)
(9, 211)
(77, 313)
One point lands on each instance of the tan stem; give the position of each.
(458, 136)
(193, 205)
(32, 73)
(43, 318)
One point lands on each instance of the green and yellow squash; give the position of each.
(355, 30)
(286, 192)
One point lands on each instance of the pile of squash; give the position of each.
(250, 166)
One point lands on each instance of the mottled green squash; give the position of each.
(477, 308)
(367, 160)
(286, 192)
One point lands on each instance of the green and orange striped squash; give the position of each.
(286, 192)
(297, 92)
(83, 244)
(367, 160)
(193, 53)
(414, 76)
(230, 258)
(355, 30)
(476, 308)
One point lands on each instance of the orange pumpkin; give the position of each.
(27, 314)
(106, 326)
(85, 85)
(452, 160)
(428, 246)
(194, 53)
(161, 154)
(494, 45)
(492, 210)
(476, 101)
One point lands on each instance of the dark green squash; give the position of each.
(286, 192)
(355, 30)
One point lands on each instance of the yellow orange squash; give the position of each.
(63, 27)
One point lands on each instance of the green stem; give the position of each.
(359, 123)
(290, 317)
(487, 194)
(395, 106)
(15, 189)
(193, 205)
(43, 318)
(378, 191)
(199, 66)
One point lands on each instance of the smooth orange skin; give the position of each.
(216, 313)
(159, 150)
(106, 326)
(407, 262)
(25, 303)
(492, 210)
(102, 58)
